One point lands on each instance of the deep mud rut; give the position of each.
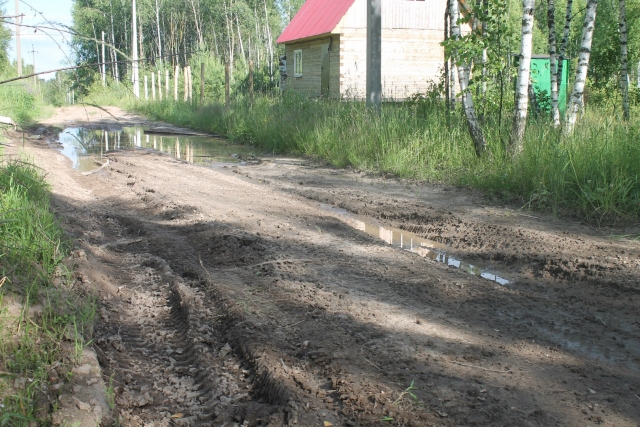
(233, 296)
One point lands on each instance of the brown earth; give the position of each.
(240, 296)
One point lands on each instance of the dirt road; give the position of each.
(245, 295)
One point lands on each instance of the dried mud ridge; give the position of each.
(528, 253)
(232, 299)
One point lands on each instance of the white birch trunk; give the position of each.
(134, 64)
(485, 34)
(158, 33)
(104, 63)
(269, 40)
(553, 62)
(197, 22)
(244, 59)
(522, 82)
(116, 76)
(114, 52)
(475, 130)
(577, 101)
(624, 63)
(565, 41)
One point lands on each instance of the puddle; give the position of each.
(416, 244)
(86, 147)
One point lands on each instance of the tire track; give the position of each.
(168, 366)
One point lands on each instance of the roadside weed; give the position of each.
(111, 394)
(35, 317)
(407, 391)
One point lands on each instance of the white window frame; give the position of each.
(297, 63)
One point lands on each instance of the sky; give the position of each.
(52, 50)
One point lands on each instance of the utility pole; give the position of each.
(104, 65)
(33, 51)
(18, 50)
(374, 55)
(134, 42)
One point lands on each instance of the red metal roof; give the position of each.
(315, 17)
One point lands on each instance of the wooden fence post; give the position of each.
(186, 83)
(190, 84)
(202, 83)
(159, 85)
(251, 81)
(226, 84)
(176, 74)
(153, 86)
(146, 88)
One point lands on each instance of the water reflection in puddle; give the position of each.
(416, 244)
(87, 147)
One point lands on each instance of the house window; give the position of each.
(297, 63)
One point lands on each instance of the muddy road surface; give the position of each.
(267, 293)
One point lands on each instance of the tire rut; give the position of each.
(160, 346)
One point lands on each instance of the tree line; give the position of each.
(170, 32)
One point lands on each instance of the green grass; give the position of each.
(35, 317)
(22, 103)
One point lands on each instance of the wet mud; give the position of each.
(235, 296)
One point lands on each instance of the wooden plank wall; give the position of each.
(412, 60)
(418, 15)
(309, 83)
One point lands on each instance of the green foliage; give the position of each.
(30, 239)
(21, 102)
(31, 341)
(5, 40)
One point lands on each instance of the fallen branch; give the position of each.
(372, 364)
(480, 367)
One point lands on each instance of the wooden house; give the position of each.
(325, 48)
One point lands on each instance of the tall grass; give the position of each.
(32, 340)
(22, 102)
(30, 238)
(594, 172)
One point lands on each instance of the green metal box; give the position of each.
(541, 81)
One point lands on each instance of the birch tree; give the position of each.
(553, 63)
(624, 63)
(577, 101)
(565, 42)
(463, 66)
(522, 82)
